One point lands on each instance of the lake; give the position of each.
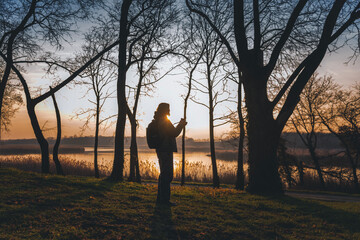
(197, 167)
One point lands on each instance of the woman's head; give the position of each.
(162, 111)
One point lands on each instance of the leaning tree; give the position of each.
(26, 27)
(272, 37)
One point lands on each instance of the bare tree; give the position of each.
(267, 35)
(27, 27)
(99, 78)
(342, 118)
(237, 120)
(58, 138)
(214, 82)
(130, 35)
(32, 102)
(193, 63)
(305, 119)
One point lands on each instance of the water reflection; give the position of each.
(197, 167)
(198, 164)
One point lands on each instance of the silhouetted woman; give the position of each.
(165, 149)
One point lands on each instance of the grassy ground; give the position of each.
(39, 206)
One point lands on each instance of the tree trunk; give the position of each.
(118, 165)
(263, 165)
(30, 106)
(317, 166)
(96, 167)
(44, 146)
(137, 166)
(263, 137)
(185, 115)
(134, 170)
(216, 180)
(300, 167)
(355, 178)
(240, 183)
(183, 158)
(184, 135)
(134, 156)
(59, 169)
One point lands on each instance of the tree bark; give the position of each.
(263, 136)
(240, 183)
(96, 143)
(134, 155)
(216, 180)
(263, 164)
(59, 169)
(134, 169)
(118, 165)
(44, 146)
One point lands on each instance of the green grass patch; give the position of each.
(35, 206)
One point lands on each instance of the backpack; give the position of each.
(152, 135)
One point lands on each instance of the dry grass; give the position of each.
(42, 206)
(194, 171)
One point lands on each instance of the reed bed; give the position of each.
(339, 180)
(195, 171)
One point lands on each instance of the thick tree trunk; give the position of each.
(59, 169)
(263, 165)
(96, 143)
(118, 165)
(263, 137)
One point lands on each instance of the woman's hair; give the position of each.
(161, 111)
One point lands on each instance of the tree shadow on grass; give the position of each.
(162, 226)
(343, 219)
(267, 217)
(49, 194)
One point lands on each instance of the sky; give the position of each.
(71, 99)
(170, 89)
